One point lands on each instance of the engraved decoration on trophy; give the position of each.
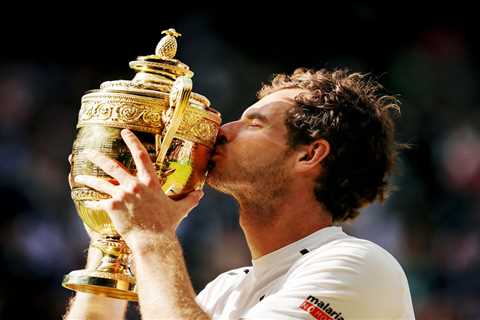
(178, 128)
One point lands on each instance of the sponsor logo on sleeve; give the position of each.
(320, 310)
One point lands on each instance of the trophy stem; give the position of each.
(111, 277)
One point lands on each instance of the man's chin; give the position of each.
(212, 179)
(214, 184)
(216, 180)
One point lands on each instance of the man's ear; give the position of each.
(311, 155)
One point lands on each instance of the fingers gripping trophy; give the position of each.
(177, 127)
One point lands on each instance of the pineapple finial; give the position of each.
(167, 47)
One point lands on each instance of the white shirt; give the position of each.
(326, 275)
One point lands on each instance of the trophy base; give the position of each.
(116, 286)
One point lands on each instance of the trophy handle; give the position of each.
(179, 100)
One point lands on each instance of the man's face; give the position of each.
(252, 155)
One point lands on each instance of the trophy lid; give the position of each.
(156, 73)
(163, 63)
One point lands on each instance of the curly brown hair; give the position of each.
(348, 111)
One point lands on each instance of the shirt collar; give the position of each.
(286, 256)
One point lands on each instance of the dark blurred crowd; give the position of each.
(430, 223)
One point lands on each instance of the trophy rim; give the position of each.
(89, 282)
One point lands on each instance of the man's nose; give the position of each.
(226, 133)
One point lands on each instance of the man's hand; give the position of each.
(146, 218)
(138, 204)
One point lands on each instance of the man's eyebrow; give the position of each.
(256, 115)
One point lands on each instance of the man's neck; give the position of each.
(270, 227)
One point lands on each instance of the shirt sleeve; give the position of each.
(351, 281)
(217, 291)
(208, 297)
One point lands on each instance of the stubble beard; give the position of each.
(257, 188)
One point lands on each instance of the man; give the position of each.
(314, 149)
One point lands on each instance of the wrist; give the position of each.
(144, 242)
(91, 306)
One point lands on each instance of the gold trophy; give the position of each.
(178, 128)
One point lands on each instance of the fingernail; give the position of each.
(79, 178)
(87, 153)
(90, 153)
(126, 131)
(90, 204)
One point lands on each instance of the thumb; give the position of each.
(190, 201)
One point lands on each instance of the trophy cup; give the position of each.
(178, 128)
